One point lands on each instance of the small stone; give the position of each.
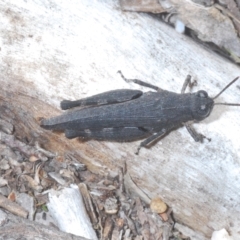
(158, 206)
(33, 158)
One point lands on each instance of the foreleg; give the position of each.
(198, 137)
(189, 83)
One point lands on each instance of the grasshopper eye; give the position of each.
(203, 109)
(202, 94)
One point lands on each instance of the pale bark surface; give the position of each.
(19, 228)
(54, 50)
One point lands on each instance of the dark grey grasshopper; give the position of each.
(128, 115)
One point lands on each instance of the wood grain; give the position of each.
(54, 50)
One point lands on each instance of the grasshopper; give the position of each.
(125, 115)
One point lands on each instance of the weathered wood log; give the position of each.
(58, 50)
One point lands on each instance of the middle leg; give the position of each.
(151, 139)
(140, 82)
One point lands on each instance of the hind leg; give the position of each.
(124, 134)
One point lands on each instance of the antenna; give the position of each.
(229, 104)
(233, 81)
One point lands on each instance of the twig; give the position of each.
(12, 207)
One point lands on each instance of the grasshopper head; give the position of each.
(202, 105)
